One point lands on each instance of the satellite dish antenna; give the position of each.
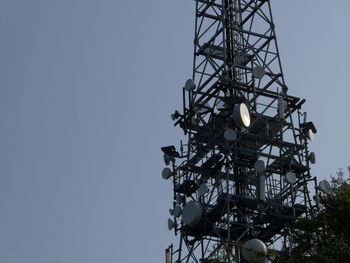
(254, 251)
(258, 72)
(312, 157)
(177, 211)
(291, 178)
(310, 135)
(241, 115)
(325, 187)
(230, 135)
(192, 213)
(167, 159)
(189, 85)
(259, 166)
(166, 173)
(203, 189)
(171, 224)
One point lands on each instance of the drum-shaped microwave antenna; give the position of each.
(291, 178)
(171, 224)
(189, 85)
(325, 187)
(192, 213)
(312, 158)
(167, 159)
(310, 135)
(177, 211)
(230, 135)
(166, 173)
(241, 115)
(254, 250)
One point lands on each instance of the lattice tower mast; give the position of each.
(245, 169)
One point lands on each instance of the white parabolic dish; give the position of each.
(254, 251)
(241, 115)
(325, 187)
(310, 135)
(192, 213)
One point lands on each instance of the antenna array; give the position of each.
(241, 179)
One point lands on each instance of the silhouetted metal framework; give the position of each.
(236, 60)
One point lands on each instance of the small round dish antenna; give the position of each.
(325, 187)
(258, 72)
(230, 135)
(189, 85)
(203, 189)
(177, 211)
(310, 135)
(166, 173)
(192, 213)
(171, 224)
(167, 159)
(259, 166)
(291, 178)
(254, 251)
(241, 115)
(312, 158)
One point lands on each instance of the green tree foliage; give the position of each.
(325, 238)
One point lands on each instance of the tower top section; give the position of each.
(241, 179)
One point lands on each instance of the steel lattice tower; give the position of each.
(245, 169)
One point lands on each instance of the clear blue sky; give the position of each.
(86, 92)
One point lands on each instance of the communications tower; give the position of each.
(241, 178)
